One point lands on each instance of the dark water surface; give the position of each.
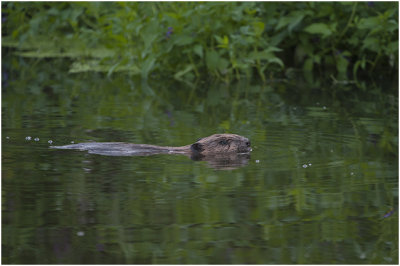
(321, 185)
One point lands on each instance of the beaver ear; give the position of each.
(197, 147)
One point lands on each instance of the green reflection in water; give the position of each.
(322, 174)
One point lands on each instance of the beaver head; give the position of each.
(221, 143)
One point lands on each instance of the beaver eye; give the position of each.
(223, 142)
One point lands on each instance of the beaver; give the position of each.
(217, 144)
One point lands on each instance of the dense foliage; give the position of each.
(225, 41)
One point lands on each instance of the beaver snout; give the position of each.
(246, 147)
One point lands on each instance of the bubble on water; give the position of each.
(50, 141)
(309, 164)
(305, 165)
(87, 170)
(7, 137)
(257, 161)
(72, 142)
(324, 107)
(28, 138)
(80, 233)
(36, 139)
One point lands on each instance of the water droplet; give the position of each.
(7, 137)
(80, 233)
(324, 107)
(351, 173)
(28, 138)
(309, 164)
(50, 141)
(257, 161)
(305, 165)
(72, 142)
(36, 139)
(87, 170)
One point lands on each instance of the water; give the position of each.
(320, 186)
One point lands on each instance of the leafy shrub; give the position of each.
(192, 40)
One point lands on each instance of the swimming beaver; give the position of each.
(217, 144)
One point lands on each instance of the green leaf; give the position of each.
(317, 59)
(368, 23)
(393, 47)
(273, 49)
(295, 21)
(371, 43)
(223, 64)
(183, 40)
(276, 60)
(147, 66)
(319, 28)
(308, 65)
(292, 20)
(111, 70)
(267, 55)
(342, 64)
(245, 30)
(179, 74)
(149, 34)
(222, 42)
(212, 58)
(283, 21)
(258, 28)
(198, 49)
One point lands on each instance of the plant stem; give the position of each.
(348, 22)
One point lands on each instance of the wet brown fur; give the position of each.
(221, 144)
(214, 144)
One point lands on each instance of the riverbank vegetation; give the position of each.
(197, 41)
(314, 85)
